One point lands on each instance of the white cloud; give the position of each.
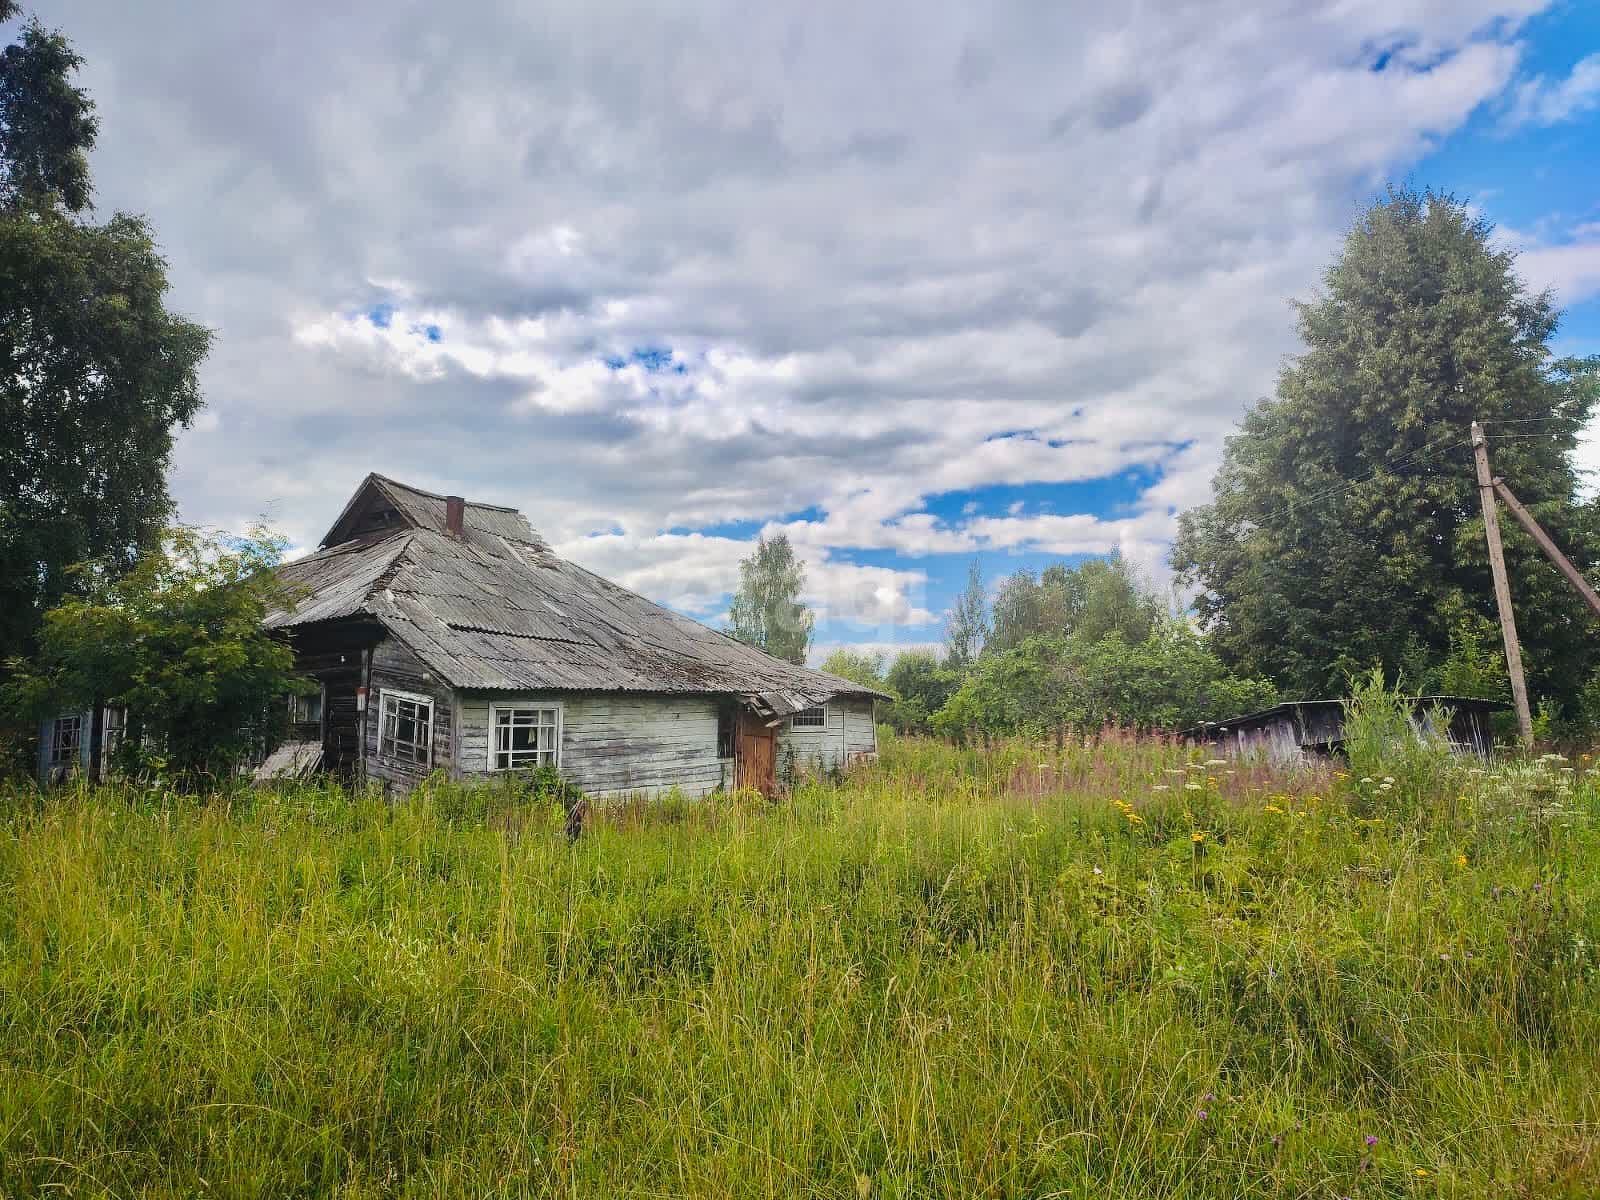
(1570, 269)
(1544, 101)
(695, 571)
(897, 252)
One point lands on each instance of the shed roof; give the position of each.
(1291, 707)
(499, 610)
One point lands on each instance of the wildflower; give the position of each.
(1371, 1141)
(1191, 787)
(1197, 836)
(1388, 778)
(1421, 1172)
(1366, 779)
(1273, 808)
(1461, 860)
(1098, 871)
(1202, 1114)
(1209, 1098)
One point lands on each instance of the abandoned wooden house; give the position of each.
(1299, 729)
(447, 636)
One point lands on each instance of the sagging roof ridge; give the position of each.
(410, 487)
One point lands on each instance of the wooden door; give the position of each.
(755, 755)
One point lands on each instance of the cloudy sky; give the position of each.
(912, 282)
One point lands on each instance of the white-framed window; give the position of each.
(66, 741)
(405, 728)
(523, 735)
(810, 718)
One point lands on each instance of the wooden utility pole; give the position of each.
(1502, 588)
(1536, 531)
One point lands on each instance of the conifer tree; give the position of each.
(1345, 517)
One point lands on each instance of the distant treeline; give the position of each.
(1075, 647)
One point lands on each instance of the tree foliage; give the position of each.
(1345, 516)
(767, 611)
(1169, 680)
(968, 626)
(921, 686)
(94, 371)
(859, 666)
(178, 641)
(1097, 597)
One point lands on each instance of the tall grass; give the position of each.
(1105, 971)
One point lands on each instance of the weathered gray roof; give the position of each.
(501, 611)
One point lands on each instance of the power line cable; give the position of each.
(1411, 458)
(1521, 420)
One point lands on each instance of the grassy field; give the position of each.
(1097, 972)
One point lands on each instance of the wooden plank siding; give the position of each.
(613, 744)
(850, 731)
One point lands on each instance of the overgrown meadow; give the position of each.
(1112, 970)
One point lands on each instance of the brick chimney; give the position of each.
(455, 514)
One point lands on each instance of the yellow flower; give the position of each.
(1461, 860)
(1197, 836)
(1273, 808)
(1422, 1172)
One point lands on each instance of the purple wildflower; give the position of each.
(1371, 1141)
(1202, 1114)
(1208, 1098)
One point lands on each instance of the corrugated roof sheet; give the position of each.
(498, 612)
